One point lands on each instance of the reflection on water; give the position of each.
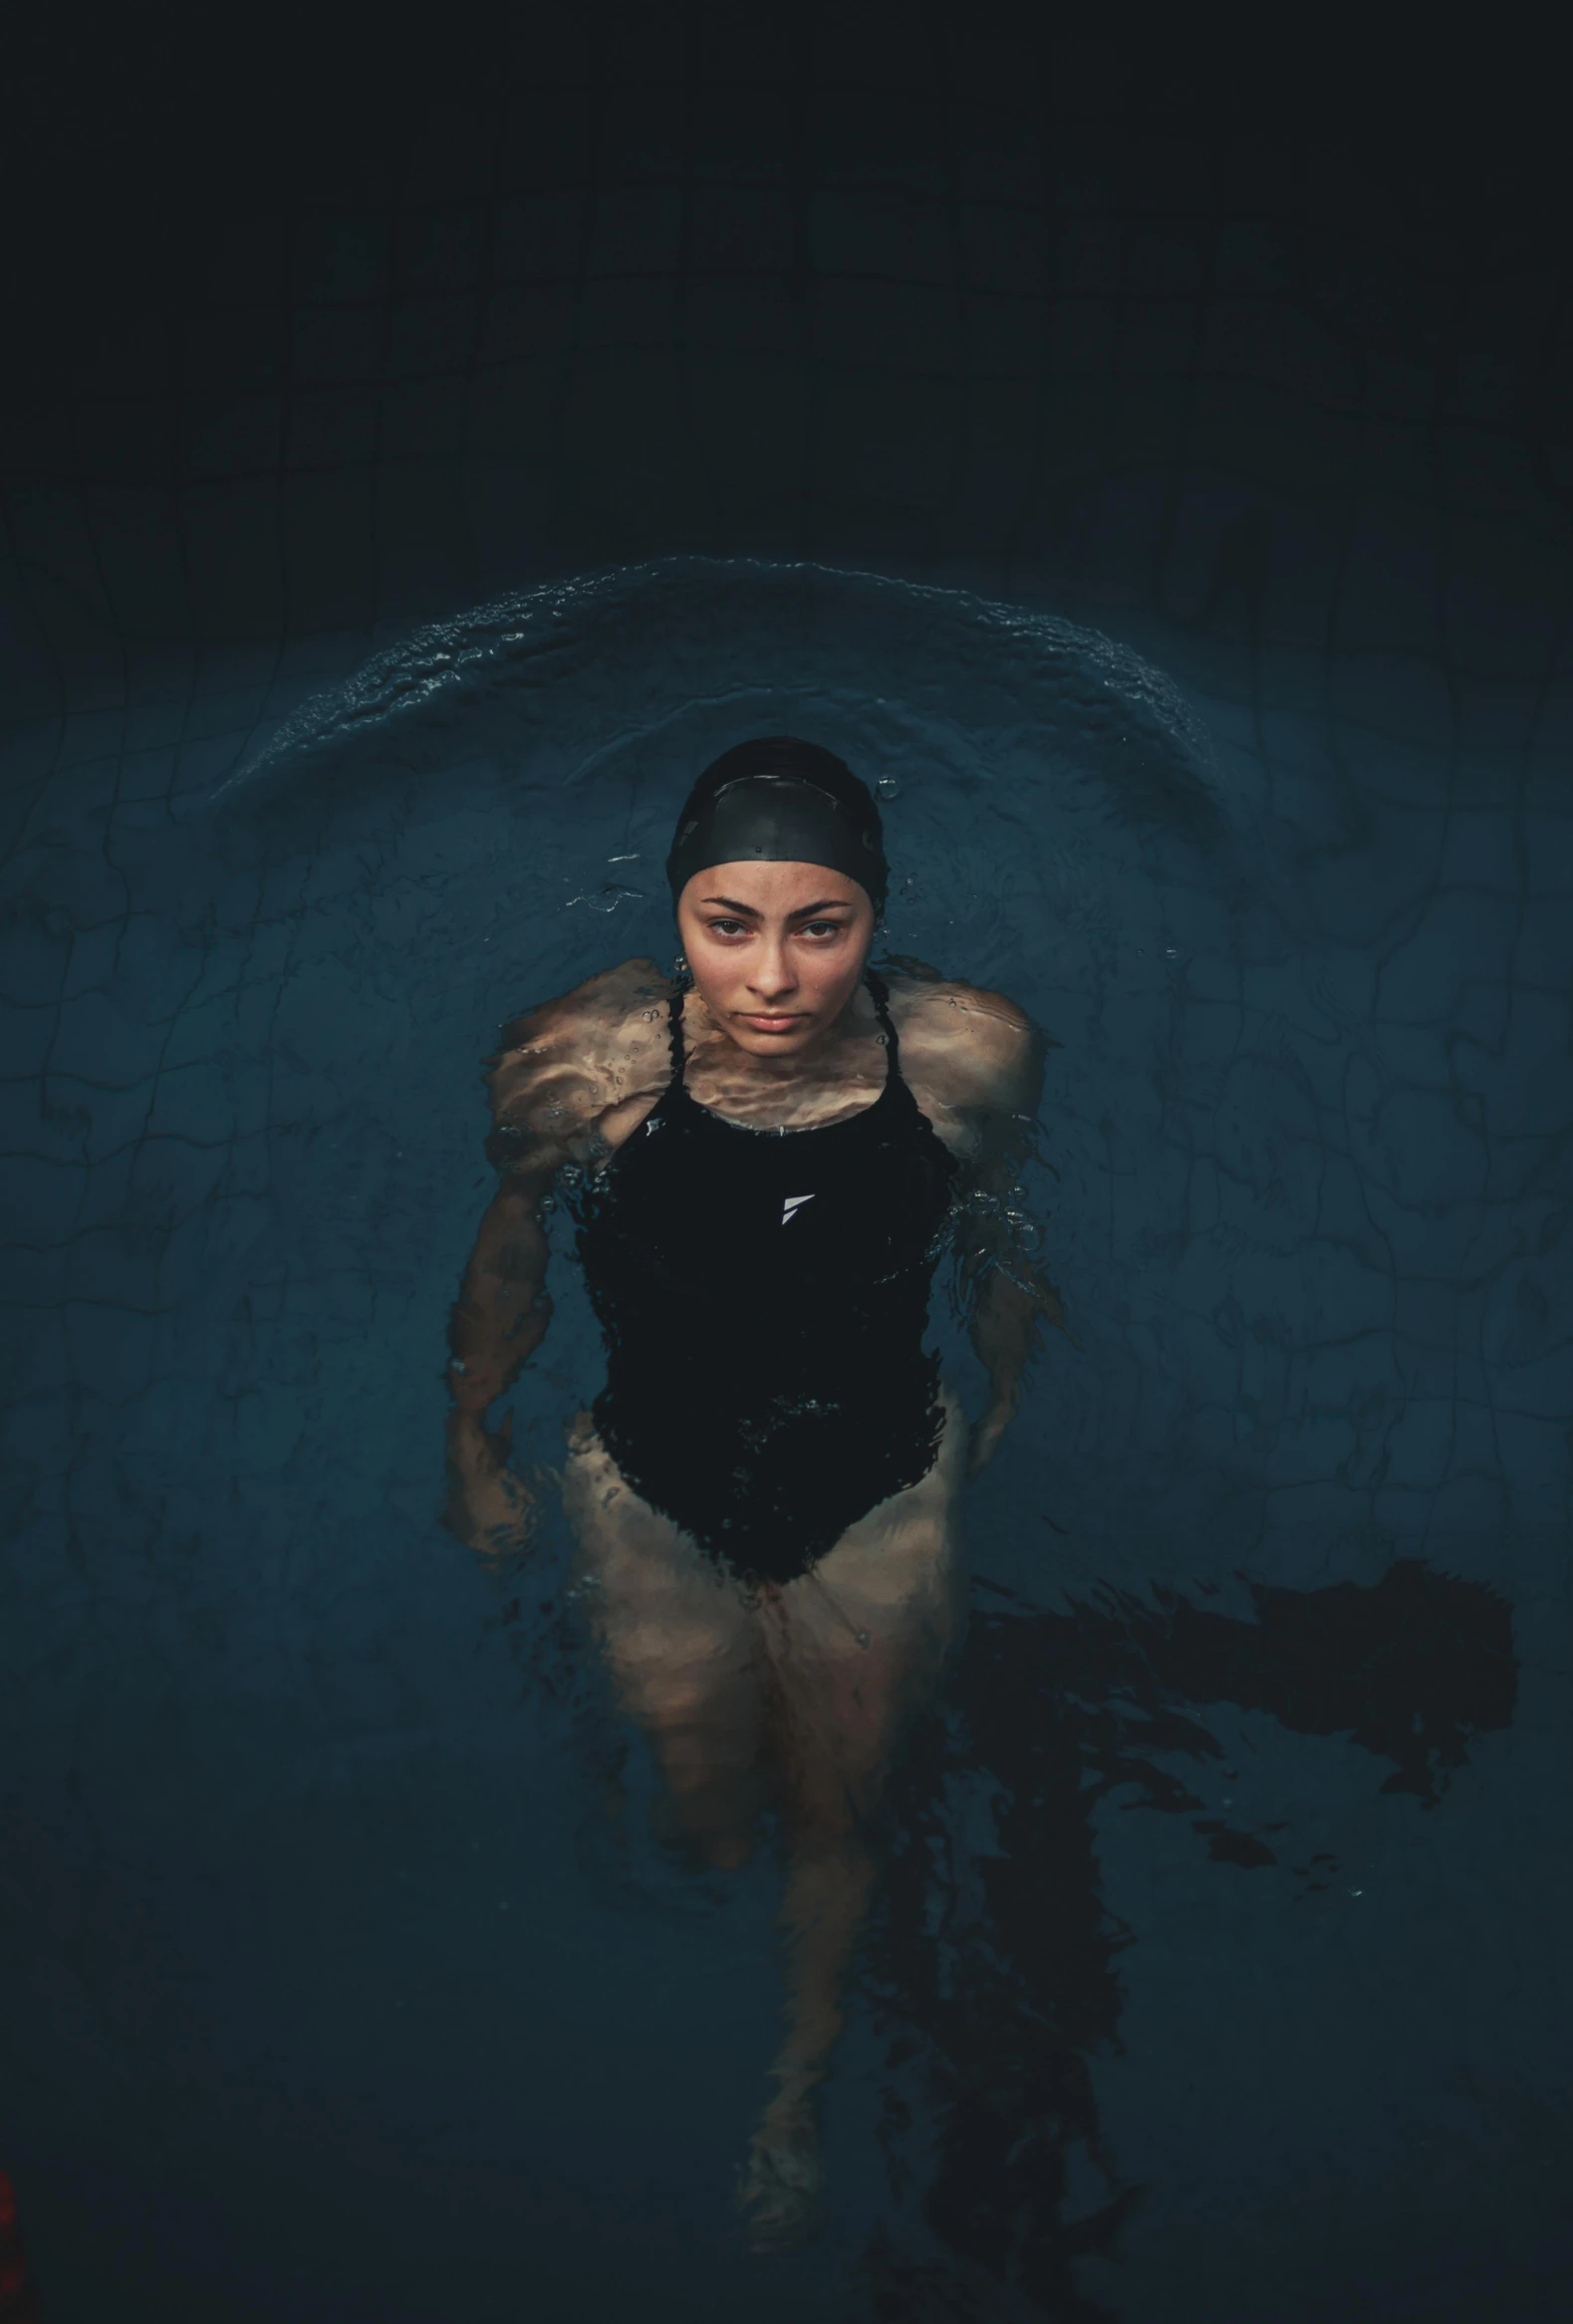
(1000, 1960)
(993, 1970)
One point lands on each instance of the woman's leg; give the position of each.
(683, 1650)
(854, 1647)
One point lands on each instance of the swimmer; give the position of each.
(765, 1153)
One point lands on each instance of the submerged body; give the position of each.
(766, 1496)
(766, 1437)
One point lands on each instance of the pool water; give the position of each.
(1220, 1944)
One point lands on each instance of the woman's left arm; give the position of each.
(1007, 1295)
(1005, 1326)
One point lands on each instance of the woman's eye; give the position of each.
(726, 927)
(823, 927)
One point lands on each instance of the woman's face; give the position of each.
(776, 949)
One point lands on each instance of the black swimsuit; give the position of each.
(764, 1296)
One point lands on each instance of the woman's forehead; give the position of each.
(771, 887)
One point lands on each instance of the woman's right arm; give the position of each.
(563, 1067)
(543, 1105)
(498, 1322)
(503, 1307)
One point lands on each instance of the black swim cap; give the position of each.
(783, 802)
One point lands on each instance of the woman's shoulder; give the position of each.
(567, 1060)
(601, 1011)
(973, 1047)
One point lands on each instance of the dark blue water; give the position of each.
(1219, 1970)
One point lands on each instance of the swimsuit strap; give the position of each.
(674, 1031)
(880, 994)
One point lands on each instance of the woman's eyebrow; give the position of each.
(800, 912)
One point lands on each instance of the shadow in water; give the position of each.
(994, 1968)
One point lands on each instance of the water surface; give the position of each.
(1217, 1970)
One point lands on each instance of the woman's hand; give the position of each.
(489, 1508)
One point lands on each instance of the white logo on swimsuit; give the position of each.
(792, 1206)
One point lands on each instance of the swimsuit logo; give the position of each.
(792, 1206)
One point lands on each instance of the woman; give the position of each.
(764, 1154)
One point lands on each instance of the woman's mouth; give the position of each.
(772, 1024)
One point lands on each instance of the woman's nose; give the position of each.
(772, 974)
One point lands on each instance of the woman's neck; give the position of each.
(856, 1020)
